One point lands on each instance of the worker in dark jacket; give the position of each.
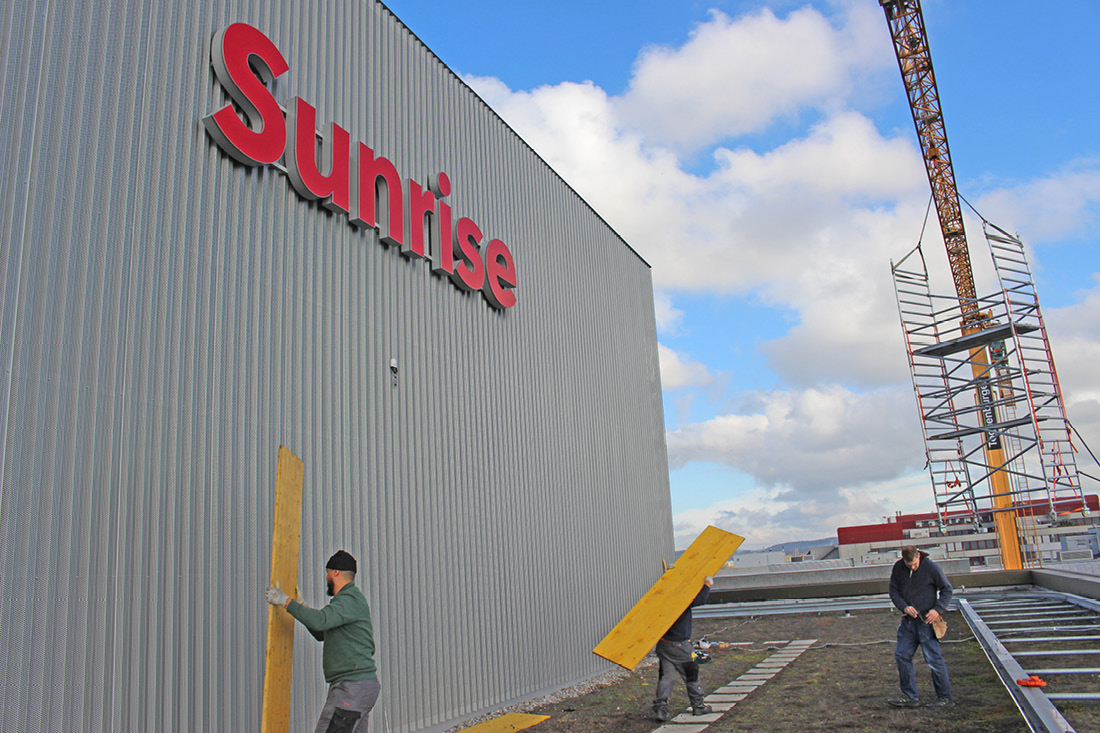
(344, 625)
(921, 591)
(674, 652)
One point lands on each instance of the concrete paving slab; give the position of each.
(715, 697)
(722, 707)
(689, 718)
(755, 677)
(681, 728)
(737, 689)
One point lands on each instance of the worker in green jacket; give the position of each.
(344, 626)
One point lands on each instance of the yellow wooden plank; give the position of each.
(507, 723)
(284, 570)
(642, 627)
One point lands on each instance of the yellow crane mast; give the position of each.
(915, 62)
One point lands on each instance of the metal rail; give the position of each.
(1003, 623)
(792, 605)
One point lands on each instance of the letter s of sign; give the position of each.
(234, 53)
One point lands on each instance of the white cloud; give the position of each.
(748, 224)
(668, 316)
(809, 442)
(1075, 340)
(736, 76)
(765, 518)
(807, 226)
(678, 372)
(1063, 203)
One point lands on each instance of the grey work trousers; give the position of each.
(675, 658)
(347, 706)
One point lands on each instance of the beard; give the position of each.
(329, 589)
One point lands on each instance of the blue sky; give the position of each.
(779, 132)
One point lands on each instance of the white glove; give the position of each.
(275, 596)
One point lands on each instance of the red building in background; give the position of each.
(1070, 532)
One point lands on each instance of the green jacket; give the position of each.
(344, 626)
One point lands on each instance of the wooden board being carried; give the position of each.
(642, 627)
(285, 538)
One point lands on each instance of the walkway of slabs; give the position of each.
(724, 698)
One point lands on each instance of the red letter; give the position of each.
(470, 273)
(443, 251)
(421, 205)
(500, 275)
(301, 157)
(231, 52)
(366, 170)
(443, 246)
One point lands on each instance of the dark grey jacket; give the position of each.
(924, 588)
(681, 628)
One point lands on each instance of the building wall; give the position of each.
(170, 317)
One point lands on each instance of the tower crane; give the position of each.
(907, 30)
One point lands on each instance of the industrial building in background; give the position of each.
(230, 226)
(1070, 534)
(997, 438)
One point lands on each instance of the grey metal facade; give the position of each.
(170, 317)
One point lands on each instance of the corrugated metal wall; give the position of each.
(171, 317)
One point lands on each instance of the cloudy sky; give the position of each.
(761, 157)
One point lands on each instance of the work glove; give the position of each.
(275, 596)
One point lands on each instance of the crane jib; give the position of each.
(906, 23)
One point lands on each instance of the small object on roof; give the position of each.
(508, 723)
(1031, 681)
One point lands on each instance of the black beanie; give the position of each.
(341, 561)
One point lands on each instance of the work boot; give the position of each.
(903, 702)
(703, 709)
(942, 702)
(662, 713)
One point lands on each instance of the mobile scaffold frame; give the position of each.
(1013, 402)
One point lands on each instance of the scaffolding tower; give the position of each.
(1010, 399)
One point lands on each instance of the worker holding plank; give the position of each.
(344, 626)
(663, 617)
(674, 652)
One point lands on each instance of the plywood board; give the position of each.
(507, 723)
(284, 570)
(642, 627)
